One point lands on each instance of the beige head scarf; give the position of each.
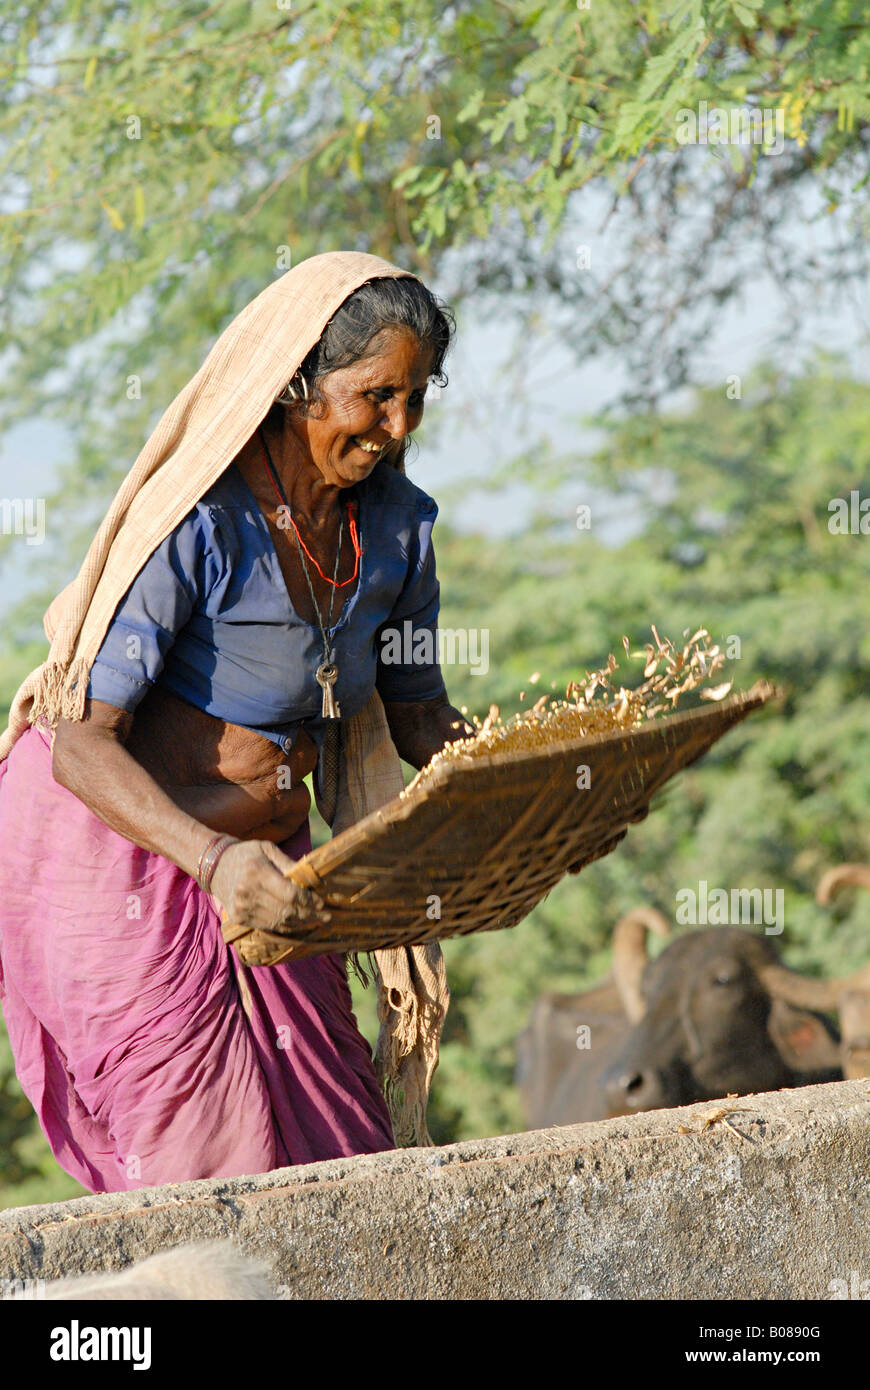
(198, 436)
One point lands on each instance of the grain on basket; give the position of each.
(595, 705)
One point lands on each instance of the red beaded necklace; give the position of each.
(326, 674)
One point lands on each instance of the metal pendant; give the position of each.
(327, 675)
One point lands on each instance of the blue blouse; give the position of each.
(209, 618)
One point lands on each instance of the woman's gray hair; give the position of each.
(389, 302)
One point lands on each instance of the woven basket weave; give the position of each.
(488, 837)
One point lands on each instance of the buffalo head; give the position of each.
(716, 1013)
(712, 1015)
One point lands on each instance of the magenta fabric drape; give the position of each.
(125, 1018)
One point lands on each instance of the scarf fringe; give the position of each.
(60, 691)
(366, 974)
(406, 1054)
(407, 1113)
(405, 1060)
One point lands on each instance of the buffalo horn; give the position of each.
(629, 955)
(830, 883)
(807, 993)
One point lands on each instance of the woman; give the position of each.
(230, 608)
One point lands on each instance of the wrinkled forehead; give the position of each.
(393, 352)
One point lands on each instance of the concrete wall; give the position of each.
(772, 1201)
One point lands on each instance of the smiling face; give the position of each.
(374, 402)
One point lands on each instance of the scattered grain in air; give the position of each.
(593, 705)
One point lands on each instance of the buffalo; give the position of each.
(715, 1014)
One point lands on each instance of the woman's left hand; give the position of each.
(420, 728)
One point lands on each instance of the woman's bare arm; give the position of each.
(90, 760)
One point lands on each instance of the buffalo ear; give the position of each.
(803, 1039)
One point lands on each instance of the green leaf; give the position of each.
(428, 186)
(472, 106)
(746, 17)
(407, 176)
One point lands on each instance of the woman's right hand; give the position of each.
(250, 884)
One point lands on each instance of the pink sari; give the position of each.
(125, 1017)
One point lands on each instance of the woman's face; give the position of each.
(376, 401)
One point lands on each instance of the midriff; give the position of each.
(225, 776)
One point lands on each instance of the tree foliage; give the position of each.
(161, 164)
(16, 1123)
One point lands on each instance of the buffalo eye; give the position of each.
(724, 976)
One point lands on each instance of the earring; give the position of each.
(291, 390)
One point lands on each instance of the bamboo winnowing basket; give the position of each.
(478, 846)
